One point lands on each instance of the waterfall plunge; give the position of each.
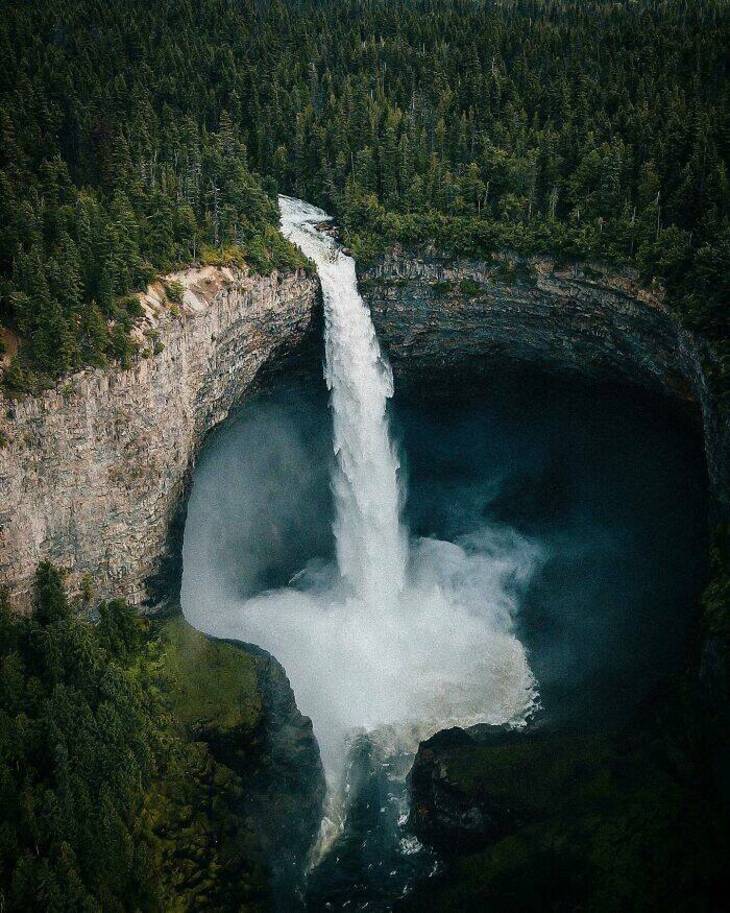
(401, 638)
(371, 543)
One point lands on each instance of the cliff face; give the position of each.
(433, 314)
(93, 472)
(502, 806)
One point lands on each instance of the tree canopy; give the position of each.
(112, 800)
(137, 135)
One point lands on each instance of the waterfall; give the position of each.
(371, 542)
(402, 636)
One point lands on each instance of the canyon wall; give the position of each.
(439, 320)
(93, 472)
(437, 315)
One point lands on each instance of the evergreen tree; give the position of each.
(579, 129)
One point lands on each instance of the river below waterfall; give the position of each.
(492, 549)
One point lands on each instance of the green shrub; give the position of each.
(131, 306)
(442, 288)
(18, 378)
(174, 291)
(716, 597)
(469, 287)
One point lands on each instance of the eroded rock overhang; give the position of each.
(434, 314)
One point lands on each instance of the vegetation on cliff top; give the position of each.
(132, 135)
(113, 798)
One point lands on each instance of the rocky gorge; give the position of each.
(94, 473)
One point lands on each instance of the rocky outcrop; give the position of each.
(592, 821)
(471, 788)
(435, 314)
(261, 781)
(93, 472)
(285, 784)
(450, 811)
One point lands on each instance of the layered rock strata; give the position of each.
(93, 472)
(434, 314)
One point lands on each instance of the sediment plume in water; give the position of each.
(403, 636)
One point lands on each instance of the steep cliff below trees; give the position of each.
(436, 314)
(94, 472)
